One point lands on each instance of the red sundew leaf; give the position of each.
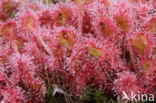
(5, 54)
(152, 25)
(82, 2)
(95, 51)
(9, 29)
(87, 26)
(58, 51)
(25, 64)
(82, 54)
(148, 66)
(105, 2)
(87, 50)
(45, 18)
(84, 65)
(123, 23)
(20, 42)
(67, 38)
(78, 57)
(28, 22)
(9, 7)
(65, 41)
(107, 27)
(63, 17)
(3, 17)
(37, 86)
(140, 42)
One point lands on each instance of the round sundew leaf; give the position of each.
(66, 38)
(140, 41)
(152, 26)
(58, 52)
(147, 65)
(123, 23)
(82, 2)
(6, 6)
(63, 17)
(105, 2)
(36, 86)
(9, 8)
(86, 24)
(20, 43)
(9, 29)
(95, 52)
(45, 18)
(29, 22)
(106, 29)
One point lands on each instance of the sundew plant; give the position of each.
(77, 51)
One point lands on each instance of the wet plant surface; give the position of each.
(77, 51)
